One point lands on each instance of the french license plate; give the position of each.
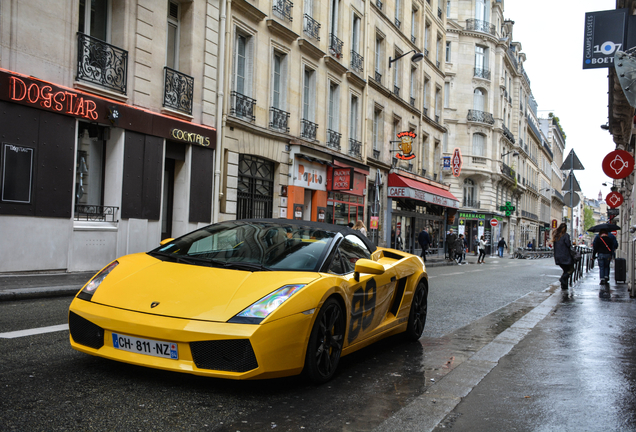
(146, 346)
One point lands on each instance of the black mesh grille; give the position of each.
(235, 355)
(85, 332)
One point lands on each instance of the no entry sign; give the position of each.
(494, 222)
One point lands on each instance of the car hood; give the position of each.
(188, 291)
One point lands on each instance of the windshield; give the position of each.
(250, 246)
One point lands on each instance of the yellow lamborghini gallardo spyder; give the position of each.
(248, 299)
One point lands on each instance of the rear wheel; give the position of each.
(325, 342)
(417, 316)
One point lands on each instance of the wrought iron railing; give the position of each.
(279, 119)
(378, 3)
(529, 215)
(425, 111)
(378, 77)
(508, 134)
(413, 39)
(178, 90)
(412, 101)
(439, 13)
(482, 73)
(242, 106)
(426, 52)
(355, 148)
(470, 203)
(335, 46)
(398, 23)
(480, 116)
(533, 127)
(333, 139)
(308, 129)
(480, 26)
(437, 64)
(506, 170)
(284, 9)
(376, 154)
(101, 63)
(511, 55)
(525, 75)
(96, 213)
(396, 91)
(436, 118)
(312, 27)
(357, 62)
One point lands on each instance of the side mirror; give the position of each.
(164, 241)
(367, 266)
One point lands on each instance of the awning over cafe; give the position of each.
(404, 187)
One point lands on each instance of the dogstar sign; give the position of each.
(614, 199)
(456, 162)
(618, 164)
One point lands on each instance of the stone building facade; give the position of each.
(108, 117)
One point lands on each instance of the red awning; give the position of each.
(396, 180)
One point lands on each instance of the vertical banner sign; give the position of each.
(456, 162)
(446, 166)
(604, 35)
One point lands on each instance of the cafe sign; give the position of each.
(406, 192)
(406, 145)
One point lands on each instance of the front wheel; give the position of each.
(325, 342)
(417, 316)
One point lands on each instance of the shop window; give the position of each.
(255, 188)
(89, 175)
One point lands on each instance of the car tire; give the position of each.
(325, 342)
(417, 315)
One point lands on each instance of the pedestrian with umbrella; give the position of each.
(563, 253)
(604, 247)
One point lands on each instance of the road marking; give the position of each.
(34, 331)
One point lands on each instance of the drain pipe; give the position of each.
(220, 99)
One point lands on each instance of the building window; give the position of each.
(448, 8)
(396, 74)
(438, 104)
(279, 117)
(478, 100)
(354, 119)
(334, 105)
(414, 25)
(255, 195)
(95, 19)
(379, 55)
(309, 85)
(448, 52)
(172, 50)
(242, 104)
(378, 131)
(427, 37)
(89, 171)
(413, 85)
(482, 10)
(481, 62)
(446, 94)
(469, 193)
(398, 13)
(438, 53)
(479, 145)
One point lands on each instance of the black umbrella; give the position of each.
(607, 227)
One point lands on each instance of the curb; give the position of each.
(41, 292)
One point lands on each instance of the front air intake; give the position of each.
(85, 332)
(234, 355)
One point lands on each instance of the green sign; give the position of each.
(507, 208)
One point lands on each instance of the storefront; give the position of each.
(474, 225)
(414, 205)
(346, 185)
(86, 179)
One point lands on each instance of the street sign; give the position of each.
(575, 199)
(614, 199)
(572, 162)
(615, 233)
(618, 164)
(568, 186)
(555, 223)
(613, 212)
(494, 222)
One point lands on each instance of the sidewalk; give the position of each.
(568, 365)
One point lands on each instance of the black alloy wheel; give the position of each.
(417, 316)
(325, 342)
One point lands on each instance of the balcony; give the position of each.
(279, 119)
(413, 39)
(412, 101)
(308, 129)
(242, 106)
(398, 23)
(482, 73)
(425, 111)
(480, 116)
(426, 52)
(470, 203)
(357, 62)
(283, 9)
(378, 77)
(479, 160)
(355, 148)
(311, 27)
(333, 139)
(101, 63)
(95, 213)
(513, 58)
(437, 63)
(508, 134)
(335, 46)
(177, 90)
(439, 13)
(376, 154)
(507, 171)
(529, 215)
(396, 91)
(378, 4)
(557, 194)
(480, 26)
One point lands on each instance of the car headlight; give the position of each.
(260, 310)
(89, 289)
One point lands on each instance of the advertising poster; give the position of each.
(298, 211)
(322, 211)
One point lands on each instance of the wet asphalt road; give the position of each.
(48, 386)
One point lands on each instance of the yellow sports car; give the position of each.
(248, 299)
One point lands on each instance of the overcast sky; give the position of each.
(551, 36)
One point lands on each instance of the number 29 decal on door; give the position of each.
(362, 309)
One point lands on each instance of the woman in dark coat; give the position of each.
(562, 256)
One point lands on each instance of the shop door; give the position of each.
(307, 205)
(168, 199)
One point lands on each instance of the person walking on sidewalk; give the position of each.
(501, 245)
(482, 250)
(460, 246)
(562, 253)
(425, 241)
(603, 249)
(451, 238)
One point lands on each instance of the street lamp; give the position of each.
(514, 153)
(416, 57)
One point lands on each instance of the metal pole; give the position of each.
(572, 199)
